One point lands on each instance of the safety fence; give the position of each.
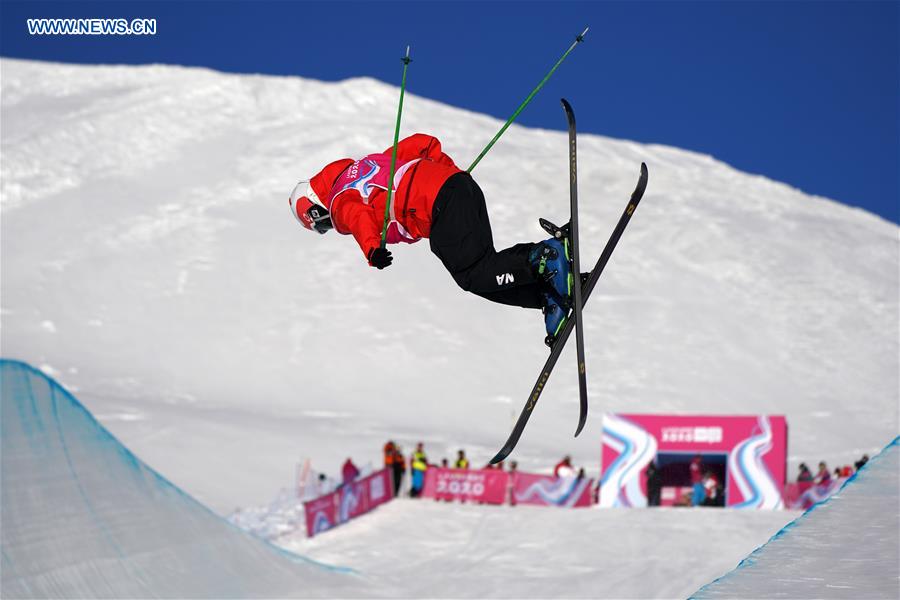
(481, 486)
(349, 501)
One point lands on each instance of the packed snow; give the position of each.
(84, 518)
(150, 264)
(845, 547)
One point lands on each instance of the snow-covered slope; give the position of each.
(427, 549)
(84, 518)
(150, 263)
(846, 547)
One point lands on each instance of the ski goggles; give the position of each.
(308, 209)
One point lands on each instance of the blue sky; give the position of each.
(804, 92)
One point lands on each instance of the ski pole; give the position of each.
(387, 207)
(578, 40)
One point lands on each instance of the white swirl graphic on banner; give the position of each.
(817, 493)
(621, 483)
(749, 473)
(562, 492)
(321, 523)
(349, 501)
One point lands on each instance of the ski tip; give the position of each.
(641, 184)
(580, 427)
(501, 456)
(566, 104)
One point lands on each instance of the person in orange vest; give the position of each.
(393, 461)
(389, 455)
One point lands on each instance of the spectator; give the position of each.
(349, 472)
(861, 462)
(837, 472)
(461, 461)
(419, 465)
(823, 477)
(389, 448)
(712, 491)
(398, 463)
(564, 468)
(699, 493)
(500, 465)
(654, 484)
(804, 479)
(513, 474)
(846, 471)
(445, 464)
(325, 486)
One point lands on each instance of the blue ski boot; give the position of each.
(551, 261)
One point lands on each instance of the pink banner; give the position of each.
(546, 490)
(802, 497)
(348, 502)
(321, 514)
(484, 485)
(751, 452)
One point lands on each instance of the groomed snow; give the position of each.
(428, 549)
(84, 518)
(846, 547)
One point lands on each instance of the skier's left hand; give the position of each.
(380, 258)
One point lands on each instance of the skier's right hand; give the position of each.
(380, 258)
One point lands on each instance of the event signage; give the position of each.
(482, 485)
(546, 490)
(348, 502)
(752, 450)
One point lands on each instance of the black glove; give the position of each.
(380, 258)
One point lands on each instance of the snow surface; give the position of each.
(846, 547)
(430, 549)
(84, 518)
(150, 264)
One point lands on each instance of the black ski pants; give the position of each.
(461, 237)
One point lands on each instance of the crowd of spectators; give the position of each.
(418, 463)
(823, 477)
(706, 489)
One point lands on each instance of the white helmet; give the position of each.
(308, 209)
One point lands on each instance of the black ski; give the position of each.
(576, 270)
(560, 342)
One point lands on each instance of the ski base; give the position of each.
(557, 348)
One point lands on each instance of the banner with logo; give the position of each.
(802, 497)
(321, 514)
(546, 490)
(752, 451)
(348, 502)
(483, 485)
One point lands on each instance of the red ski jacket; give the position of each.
(426, 171)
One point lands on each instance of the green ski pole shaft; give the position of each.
(578, 40)
(387, 207)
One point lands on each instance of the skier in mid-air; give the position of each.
(433, 198)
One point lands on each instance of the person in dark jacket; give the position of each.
(654, 484)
